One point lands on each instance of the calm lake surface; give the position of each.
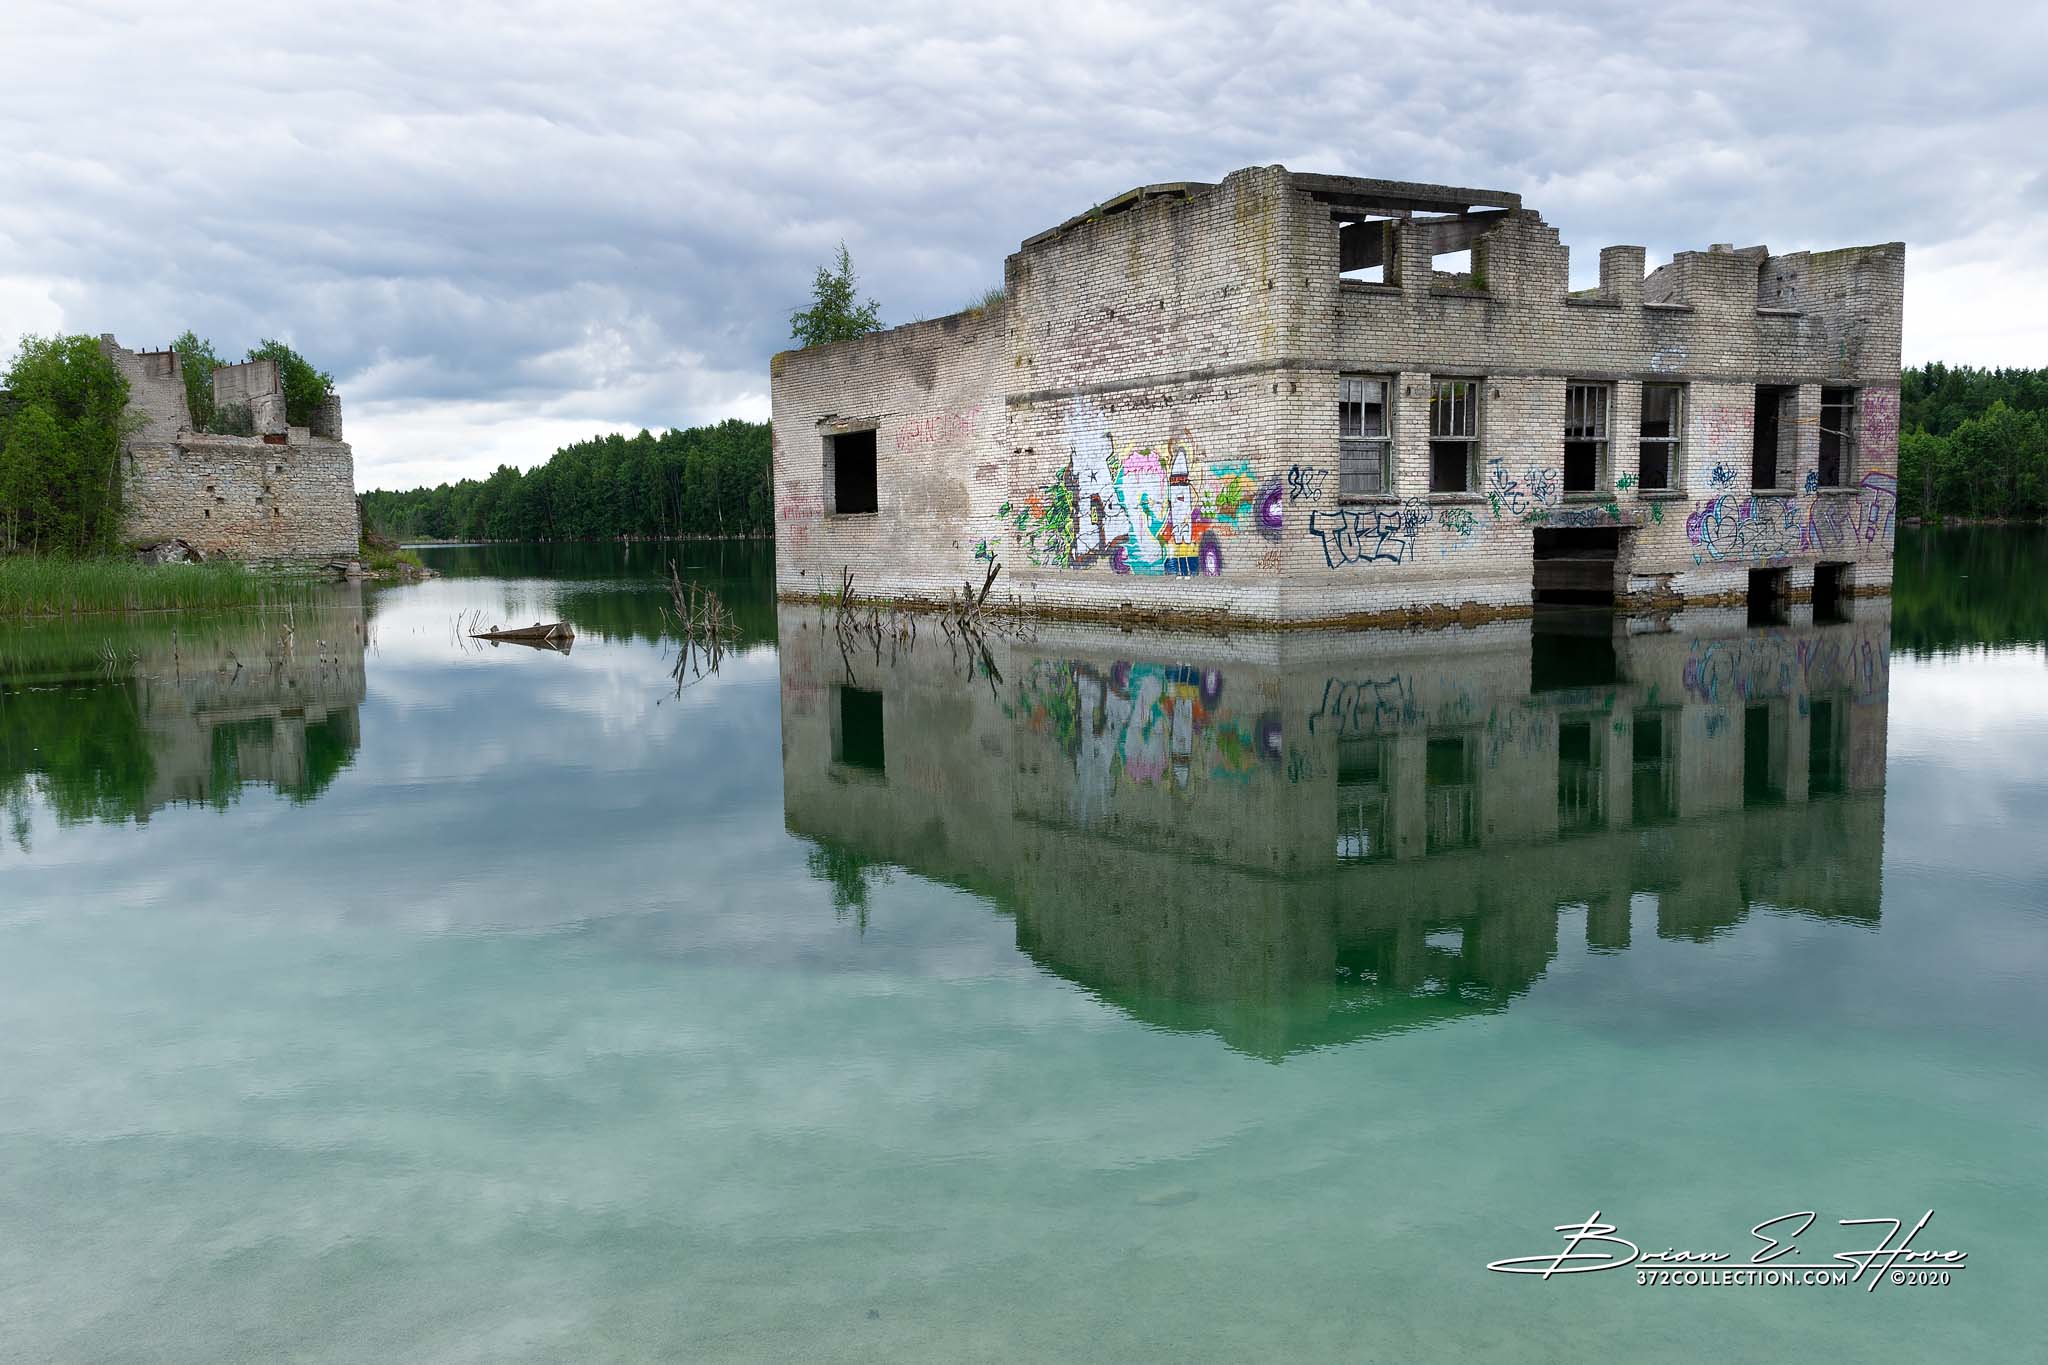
(367, 992)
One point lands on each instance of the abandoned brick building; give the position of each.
(1264, 400)
(280, 492)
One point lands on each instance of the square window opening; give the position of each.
(1585, 437)
(1364, 436)
(1453, 435)
(1580, 781)
(1771, 431)
(1763, 780)
(1450, 781)
(1829, 581)
(1837, 436)
(1364, 246)
(850, 476)
(858, 739)
(1660, 444)
(1827, 748)
(1766, 597)
(1654, 780)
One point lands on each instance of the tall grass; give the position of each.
(37, 585)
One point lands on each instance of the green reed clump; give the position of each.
(44, 585)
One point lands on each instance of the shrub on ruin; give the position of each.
(197, 360)
(305, 388)
(836, 312)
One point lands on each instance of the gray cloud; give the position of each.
(508, 226)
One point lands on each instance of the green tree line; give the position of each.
(63, 411)
(700, 481)
(1973, 443)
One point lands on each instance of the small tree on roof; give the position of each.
(835, 314)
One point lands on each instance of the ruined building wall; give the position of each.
(1517, 328)
(253, 385)
(1154, 403)
(1158, 431)
(928, 393)
(156, 391)
(234, 701)
(1202, 828)
(291, 496)
(243, 498)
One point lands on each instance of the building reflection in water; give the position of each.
(115, 720)
(1295, 840)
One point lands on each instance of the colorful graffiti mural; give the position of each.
(1743, 528)
(1144, 509)
(1145, 723)
(1782, 664)
(1761, 529)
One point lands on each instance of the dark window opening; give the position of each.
(850, 473)
(1581, 780)
(1837, 436)
(1449, 780)
(1827, 754)
(1768, 436)
(1454, 435)
(1448, 462)
(1766, 597)
(1363, 248)
(1570, 650)
(1576, 564)
(858, 742)
(1363, 437)
(1763, 784)
(1653, 791)
(1362, 803)
(1827, 592)
(1585, 436)
(1581, 466)
(1662, 436)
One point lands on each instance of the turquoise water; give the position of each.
(367, 992)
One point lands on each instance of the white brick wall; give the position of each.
(1210, 333)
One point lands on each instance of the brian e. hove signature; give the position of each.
(1592, 1246)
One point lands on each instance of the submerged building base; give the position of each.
(1306, 400)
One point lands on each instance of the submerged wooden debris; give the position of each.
(557, 636)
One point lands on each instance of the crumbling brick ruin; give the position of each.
(282, 492)
(1264, 400)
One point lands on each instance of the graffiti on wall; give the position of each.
(1365, 706)
(1163, 509)
(1392, 535)
(1306, 482)
(1764, 666)
(1523, 499)
(796, 512)
(1144, 724)
(933, 429)
(1360, 535)
(1878, 425)
(1745, 528)
(1761, 529)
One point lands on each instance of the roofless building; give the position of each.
(1293, 399)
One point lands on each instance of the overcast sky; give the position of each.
(506, 226)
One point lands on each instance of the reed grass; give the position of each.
(42, 585)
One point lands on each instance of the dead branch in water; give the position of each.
(704, 626)
(869, 630)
